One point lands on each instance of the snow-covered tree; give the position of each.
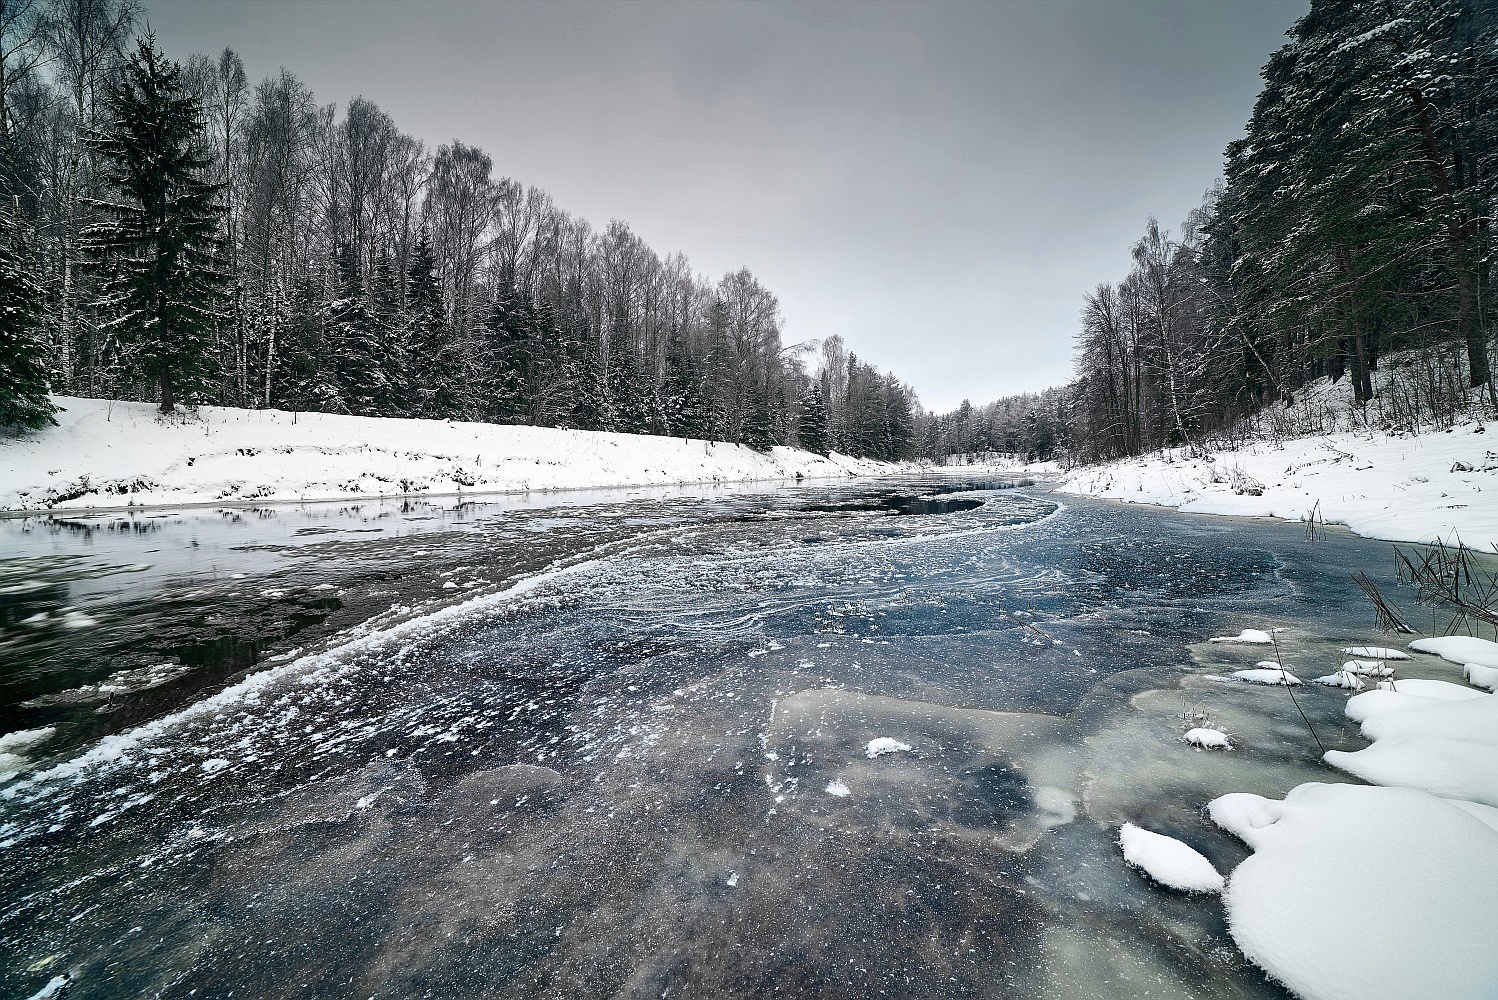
(156, 249)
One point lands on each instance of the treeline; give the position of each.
(337, 264)
(1354, 220)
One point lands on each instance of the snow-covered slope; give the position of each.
(1403, 487)
(116, 454)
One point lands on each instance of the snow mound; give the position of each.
(1368, 668)
(1207, 739)
(1474, 719)
(838, 788)
(1249, 636)
(1484, 677)
(1461, 649)
(1436, 690)
(1265, 675)
(1168, 861)
(1452, 769)
(1375, 652)
(1419, 892)
(1342, 679)
(883, 745)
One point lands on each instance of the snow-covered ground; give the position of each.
(1403, 487)
(104, 453)
(1329, 461)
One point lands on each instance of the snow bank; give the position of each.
(1357, 893)
(1414, 488)
(1461, 649)
(114, 454)
(1168, 861)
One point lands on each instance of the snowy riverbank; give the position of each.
(1403, 487)
(114, 454)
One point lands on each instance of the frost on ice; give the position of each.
(1168, 861)
(883, 745)
(1358, 893)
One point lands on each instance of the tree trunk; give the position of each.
(168, 399)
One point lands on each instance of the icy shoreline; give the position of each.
(1434, 486)
(110, 455)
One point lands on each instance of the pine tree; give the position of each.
(156, 251)
(433, 366)
(23, 373)
(351, 368)
(813, 428)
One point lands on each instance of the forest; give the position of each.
(172, 232)
(1353, 223)
(322, 259)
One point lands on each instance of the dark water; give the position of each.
(618, 749)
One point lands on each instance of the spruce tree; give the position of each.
(23, 373)
(433, 366)
(156, 249)
(813, 428)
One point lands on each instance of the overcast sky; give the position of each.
(938, 183)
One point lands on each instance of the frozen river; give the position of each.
(620, 747)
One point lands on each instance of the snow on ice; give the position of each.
(1207, 739)
(1461, 649)
(1249, 636)
(883, 745)
(1168, 861)
(1268, 675)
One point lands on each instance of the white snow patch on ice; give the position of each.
(1168, 861)
(883, 745)
(1375, 652)
(1208, 739)
(1368, 668)
(54, 987)
(1267, 675)
(838, 788)
(1249, 636)
(1342, 679)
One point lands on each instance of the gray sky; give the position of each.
(939, 183)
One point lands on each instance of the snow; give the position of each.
(1341, 679)
(1168, 861)
(1398, 486)
(1209, 739)
(1451, 769)
(1485, 677)
(1434, 736)
(1358, 893)
(106, 453)
(1375, 652)
(838, 788)
(1461, 649)
(883, 745)
(1368, 668)
(1266, 675)
(1249, 636)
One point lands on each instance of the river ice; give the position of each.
(636, 758)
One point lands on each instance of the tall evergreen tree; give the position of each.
(23, 372)
(813, 427)
(156, 249)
